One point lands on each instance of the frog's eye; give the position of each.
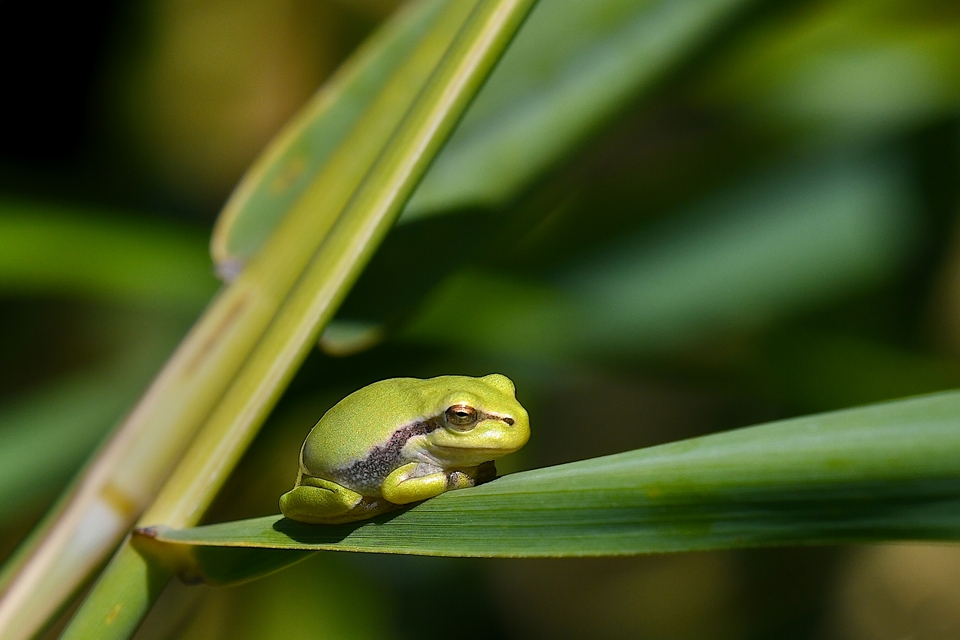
(461, 416)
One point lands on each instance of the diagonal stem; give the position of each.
(124, 477)
(132, 581)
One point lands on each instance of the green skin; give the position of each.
(403, 440)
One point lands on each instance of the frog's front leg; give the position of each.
(319, 501)
(417, 481)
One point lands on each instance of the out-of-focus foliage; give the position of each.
(738, 260)
(322, 598)
(540, 102)
(47, 434)
(49, 250)
(52, 250)
(662, 218)
(840, 71)
(210, 82)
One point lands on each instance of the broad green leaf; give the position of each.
(888, 471)
(45, 249)
(784, 241)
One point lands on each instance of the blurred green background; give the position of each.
(754, 218)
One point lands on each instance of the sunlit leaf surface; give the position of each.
(882, 472)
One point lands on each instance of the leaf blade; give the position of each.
(888, 471)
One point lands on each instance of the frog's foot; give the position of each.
(318, 501)
(471, 477)
(414, 481)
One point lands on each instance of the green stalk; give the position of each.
(131, 581)
(125, 475)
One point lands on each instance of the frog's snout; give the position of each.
(513, 432)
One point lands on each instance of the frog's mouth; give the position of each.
(483, 450)
(486, 453)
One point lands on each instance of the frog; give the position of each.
(404, 440)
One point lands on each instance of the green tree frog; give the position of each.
(403, 440)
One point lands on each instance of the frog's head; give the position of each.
(480, 420)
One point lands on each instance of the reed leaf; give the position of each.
(882, 472)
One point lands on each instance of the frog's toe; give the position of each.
(459, 480)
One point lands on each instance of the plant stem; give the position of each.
(125, 475)
(117, 603)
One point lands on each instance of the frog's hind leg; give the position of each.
(318, 501)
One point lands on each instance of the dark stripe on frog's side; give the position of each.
(365, 476)
(368, 474)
